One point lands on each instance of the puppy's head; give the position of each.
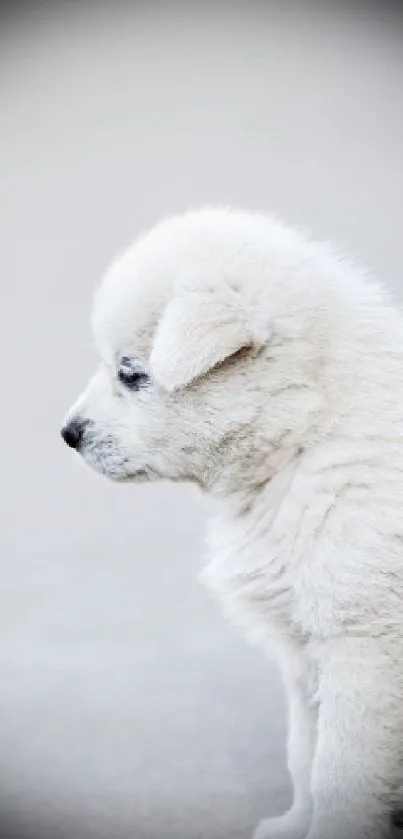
(183, 342)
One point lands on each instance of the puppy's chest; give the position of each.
(259, 569)
(254, 584)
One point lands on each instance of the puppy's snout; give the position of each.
(73, 432)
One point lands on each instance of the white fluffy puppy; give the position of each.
(237, 354)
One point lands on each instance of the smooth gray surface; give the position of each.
(127, 707)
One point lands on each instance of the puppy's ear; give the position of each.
(200, 329)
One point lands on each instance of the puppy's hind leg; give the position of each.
(302, 722)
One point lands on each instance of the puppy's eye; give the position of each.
(131, 375)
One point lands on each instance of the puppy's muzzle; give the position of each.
(73, 432)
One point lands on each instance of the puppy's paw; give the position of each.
(292, 825)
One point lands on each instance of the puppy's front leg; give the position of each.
(359, 749)
(302, 722)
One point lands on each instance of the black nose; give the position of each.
(72, 433)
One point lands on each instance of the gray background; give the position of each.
(127, 707)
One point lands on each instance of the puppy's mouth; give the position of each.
(139, 476)
(104, 456)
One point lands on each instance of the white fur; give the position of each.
(276, 372)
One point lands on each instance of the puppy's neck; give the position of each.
(246, 484)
